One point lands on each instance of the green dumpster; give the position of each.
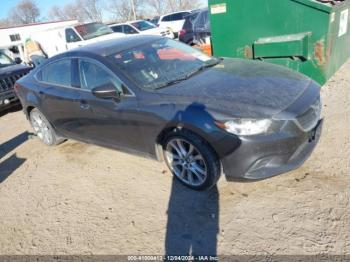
(309, 36)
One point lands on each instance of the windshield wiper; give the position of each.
(201, 68)
(175, 81)
(180, 79)
(216, 62)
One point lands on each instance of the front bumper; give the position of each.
(262, 157)
(10, 98)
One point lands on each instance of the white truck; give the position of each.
(174, 21)
(58, 40)
(142, 27)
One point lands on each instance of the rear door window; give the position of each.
(57, 73)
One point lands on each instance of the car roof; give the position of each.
(135, 21)
(194, 13)
(127, 23)
(116, 24)
(109, 47)
(184, 11)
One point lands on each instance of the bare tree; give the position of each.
(4, 23)
(179, 5)
(91, 10)
(25, 12)
(159, 6)
(126, 9)
(69, 11)
(56, 13)
(120, 9)
(82, 10)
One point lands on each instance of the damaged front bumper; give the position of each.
(261, 157)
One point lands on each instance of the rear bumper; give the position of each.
(8, 98)
(262, 157)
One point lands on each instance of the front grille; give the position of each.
(7, 83)
(308, 120)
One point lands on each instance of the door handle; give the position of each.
(84, 105)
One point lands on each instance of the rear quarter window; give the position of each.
(57, 73)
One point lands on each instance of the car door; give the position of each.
(107, 121)
(59, 91)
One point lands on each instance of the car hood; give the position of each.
(13, 69)
(242, 88)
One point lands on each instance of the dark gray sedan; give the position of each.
(203, 115)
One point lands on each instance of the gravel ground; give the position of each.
(83, 199)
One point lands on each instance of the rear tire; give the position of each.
(43, 129)
(191, 160)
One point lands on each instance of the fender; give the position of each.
(196, 119)
(31, 101)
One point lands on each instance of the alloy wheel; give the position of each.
(41, 129)
(186, 162)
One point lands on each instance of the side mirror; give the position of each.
(106, 91)
(18, 60)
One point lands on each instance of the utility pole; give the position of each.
(133, 8)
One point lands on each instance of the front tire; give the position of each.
(191, 160)
(43, 129)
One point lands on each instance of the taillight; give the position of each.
(182, 32)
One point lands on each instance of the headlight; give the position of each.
(246, 127)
